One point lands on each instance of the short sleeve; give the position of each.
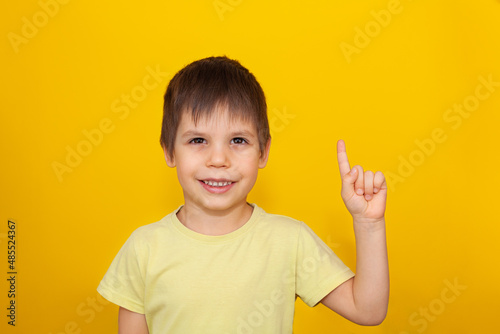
(318, 269)
(123, 283)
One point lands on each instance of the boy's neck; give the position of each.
(214, 223)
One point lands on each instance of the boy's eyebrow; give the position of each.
(195, 133)
(242, 133)
(191, 133)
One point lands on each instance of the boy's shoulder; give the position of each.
(279, 219)
(279, 226)
(149, 231)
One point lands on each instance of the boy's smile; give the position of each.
(217, 160)
(217, 186)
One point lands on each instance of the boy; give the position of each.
(219, 264)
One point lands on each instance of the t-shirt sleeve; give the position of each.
(318, 269)
(124, 282)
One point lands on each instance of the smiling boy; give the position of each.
(219, 264)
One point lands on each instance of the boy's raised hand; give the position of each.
(364, 193)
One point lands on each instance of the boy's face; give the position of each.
(217, 160)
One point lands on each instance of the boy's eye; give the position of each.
(238, 141)
(197, 141)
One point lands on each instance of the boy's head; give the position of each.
(207, 85)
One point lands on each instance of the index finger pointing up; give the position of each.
(344, 166)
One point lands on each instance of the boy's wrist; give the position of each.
(371, 225)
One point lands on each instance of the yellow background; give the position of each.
(70, 72)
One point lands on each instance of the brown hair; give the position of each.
(210, 83)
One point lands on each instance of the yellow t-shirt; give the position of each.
(245, 281)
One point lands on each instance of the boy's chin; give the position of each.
(224, 206)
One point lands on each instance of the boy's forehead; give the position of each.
(221, 118)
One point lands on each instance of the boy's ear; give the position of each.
(264, 156)
(170, 161)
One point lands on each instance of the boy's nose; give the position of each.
(218, 157)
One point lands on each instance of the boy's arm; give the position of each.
(364, 298)
(131, 322)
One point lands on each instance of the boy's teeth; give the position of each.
(217, 184)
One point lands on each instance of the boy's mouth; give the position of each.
(217, 183)
(217, 186)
